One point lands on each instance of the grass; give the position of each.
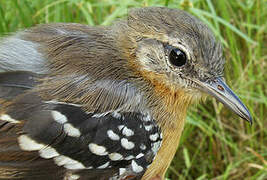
(216, 144)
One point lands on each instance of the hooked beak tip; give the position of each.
(250, 120)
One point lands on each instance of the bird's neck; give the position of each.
(172, 124)
(169, 110)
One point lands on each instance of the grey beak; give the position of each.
(219, 89)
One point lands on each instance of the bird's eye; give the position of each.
(177, 57)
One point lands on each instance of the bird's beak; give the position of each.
(219, 89)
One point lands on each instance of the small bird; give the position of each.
(81, 102)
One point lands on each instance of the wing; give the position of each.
(51, 139)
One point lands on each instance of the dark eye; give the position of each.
(177, 57)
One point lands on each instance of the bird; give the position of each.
(105, 102)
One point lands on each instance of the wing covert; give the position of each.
(81, 141)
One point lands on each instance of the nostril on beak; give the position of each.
(220, 88)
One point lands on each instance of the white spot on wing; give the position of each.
(98, 150)
(58, 117)
(136, 168)
(122, 171)
(98, 115)
(155, 146)
(154, 137)
(77, 165)
(147, 118)
(129, 157)
(127, 132)
(113, 136)
(127, 144)
(28, 144)
(6, 117)
(142, 146)
(120, 127)
(115, 156)
(68, 162)
(148, 127)
(62, 160)
(103, 166)
(116, 115)
(74, 177)
(48, 152)
(139, 155)
(71, 131)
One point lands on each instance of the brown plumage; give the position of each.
(127, 67)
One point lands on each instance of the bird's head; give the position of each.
(173, 48)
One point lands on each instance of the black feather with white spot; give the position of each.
(80, 140)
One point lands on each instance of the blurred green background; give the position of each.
(216, 144)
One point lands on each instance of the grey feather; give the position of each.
(17, 54)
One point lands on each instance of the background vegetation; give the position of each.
(216, 144)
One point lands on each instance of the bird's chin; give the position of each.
(196, 95)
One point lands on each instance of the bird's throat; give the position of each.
(170, 112)
(172, 124)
